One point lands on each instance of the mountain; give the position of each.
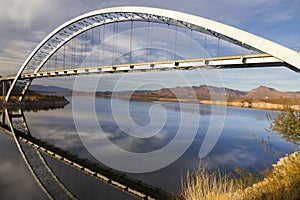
(204, 92)
(263, 92)
(201, 92)
(49, 89)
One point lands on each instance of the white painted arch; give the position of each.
(77, 25)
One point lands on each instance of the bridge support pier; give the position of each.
(3, 121)
(5, 87)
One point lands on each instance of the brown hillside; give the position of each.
(204, 92)
(263, 92)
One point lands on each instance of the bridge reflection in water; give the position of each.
(63, 175)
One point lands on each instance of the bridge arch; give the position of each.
(64, 33)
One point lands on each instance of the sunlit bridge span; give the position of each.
(124, 40)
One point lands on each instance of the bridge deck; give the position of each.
(253, 60)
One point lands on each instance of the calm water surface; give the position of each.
(244, 141)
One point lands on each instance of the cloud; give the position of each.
(22, 13)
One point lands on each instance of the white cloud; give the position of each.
(23, 13)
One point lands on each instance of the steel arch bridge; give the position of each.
(275, 54)
(279, 55)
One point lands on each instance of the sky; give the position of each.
(23, 24)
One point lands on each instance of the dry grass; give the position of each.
(283, 182)
(203, 185)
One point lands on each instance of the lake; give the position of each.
(156, 142)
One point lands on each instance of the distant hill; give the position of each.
(49, 89)
(204, 92)
(262, 97)
(201, 92)
(263, 92)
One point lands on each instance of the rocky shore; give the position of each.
(35, 102)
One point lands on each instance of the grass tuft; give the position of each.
(282, 182)
(210, 186)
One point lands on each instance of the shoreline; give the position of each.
(261, 105)
(254, 104)
(50, 101)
